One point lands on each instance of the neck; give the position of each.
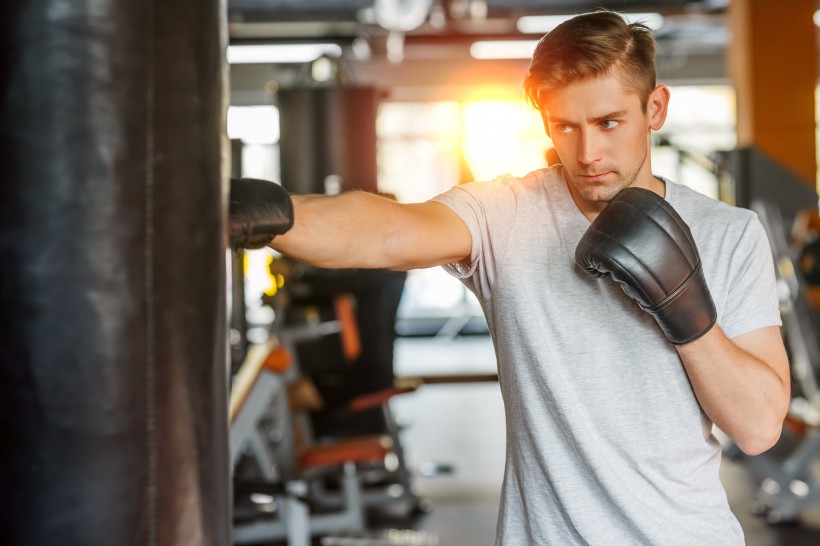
(652, 183)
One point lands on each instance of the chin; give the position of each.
(599, 193)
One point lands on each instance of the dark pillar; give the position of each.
(113, 410)
(328, 132)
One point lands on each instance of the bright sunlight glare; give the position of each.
(503, 137)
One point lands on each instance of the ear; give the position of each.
(657, 106)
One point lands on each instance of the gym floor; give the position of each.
(462, 425)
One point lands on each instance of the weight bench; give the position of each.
(294, 501)
(386, 480)
(261, 431)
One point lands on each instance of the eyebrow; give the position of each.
(611, 115)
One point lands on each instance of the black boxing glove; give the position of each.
(259, 210)
(643, 244)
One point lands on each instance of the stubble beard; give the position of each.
(606, 191)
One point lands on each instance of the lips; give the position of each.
(593, 176)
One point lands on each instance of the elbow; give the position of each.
(762, 437)
(760, 442)
(764, 433)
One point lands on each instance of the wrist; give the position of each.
(689, 312)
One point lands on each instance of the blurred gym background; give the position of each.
(362, 407)
(411, 98)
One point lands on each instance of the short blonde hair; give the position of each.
(592, 45)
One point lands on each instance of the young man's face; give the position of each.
(602, 135)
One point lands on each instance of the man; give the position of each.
(609, 417)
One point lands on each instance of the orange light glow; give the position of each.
(502, 135)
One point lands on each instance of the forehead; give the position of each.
(591, 98)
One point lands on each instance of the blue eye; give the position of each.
(610, 124)
(562, 128)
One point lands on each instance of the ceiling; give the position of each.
(420, 49)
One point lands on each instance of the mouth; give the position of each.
(593, 177)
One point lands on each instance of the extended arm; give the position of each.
(362, 230)
(742, 384)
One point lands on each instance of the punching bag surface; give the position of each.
(113, 412)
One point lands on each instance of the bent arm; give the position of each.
(363, 230)
(742, 384)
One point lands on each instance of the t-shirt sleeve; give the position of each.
(752, 300)
(488, 209)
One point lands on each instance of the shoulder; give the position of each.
(724, 233)
(505, 186)
(701, 210)
(530, 181)
(540, 181)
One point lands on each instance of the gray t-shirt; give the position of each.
(606, 442)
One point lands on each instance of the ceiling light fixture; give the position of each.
(503, 49)
(281, 53)
(541, 24)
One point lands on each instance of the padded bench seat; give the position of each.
(362, 449)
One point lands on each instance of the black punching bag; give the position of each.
(113, 412)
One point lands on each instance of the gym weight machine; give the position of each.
(270, 432)
(788, 471)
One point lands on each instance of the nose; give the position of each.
(589, 148)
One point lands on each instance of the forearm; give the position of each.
(744, 396)
(344, 231)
